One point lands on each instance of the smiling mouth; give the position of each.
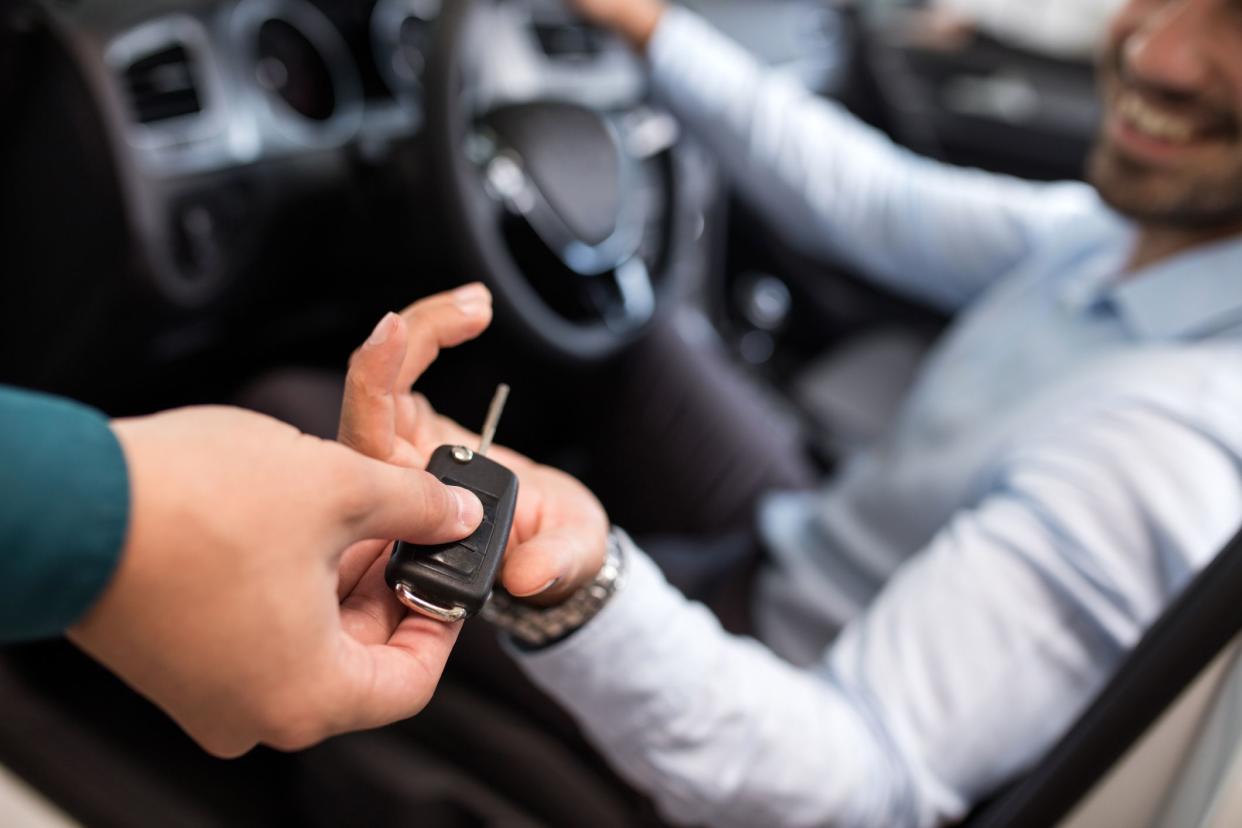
(1163, 125)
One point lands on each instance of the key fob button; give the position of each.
(478, 541)
(458, 559)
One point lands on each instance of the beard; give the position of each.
(1183, 198)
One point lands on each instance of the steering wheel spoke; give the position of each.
(624, 298)
(637, 292)
(646, 133)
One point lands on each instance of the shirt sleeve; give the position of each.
(975, 658)
(835, 187)
(63, 513)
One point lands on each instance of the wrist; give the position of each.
(533, 627)
(95, 623)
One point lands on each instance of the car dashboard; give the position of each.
(191, 90)
(229, 159)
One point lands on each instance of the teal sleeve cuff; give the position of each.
(64, 509)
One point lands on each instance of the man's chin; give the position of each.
(1156, 195)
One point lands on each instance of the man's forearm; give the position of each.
(716, 728)
(972, 661)
(837, 188)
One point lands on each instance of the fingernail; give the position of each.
(382, 331)
(469, 509)
(472, 299)
(539, 591)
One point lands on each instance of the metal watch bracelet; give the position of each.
(534, 627)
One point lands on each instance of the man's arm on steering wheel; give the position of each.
(829, 184)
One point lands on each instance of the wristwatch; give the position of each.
(533, 627)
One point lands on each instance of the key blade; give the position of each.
(493, 418)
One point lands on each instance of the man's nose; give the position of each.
(1166, 50)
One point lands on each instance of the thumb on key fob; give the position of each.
(453, 581)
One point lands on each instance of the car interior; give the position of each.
(213, 201)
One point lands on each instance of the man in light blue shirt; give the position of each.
(935, 619)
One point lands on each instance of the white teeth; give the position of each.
(1152, 121)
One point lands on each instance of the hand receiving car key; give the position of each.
(559, 530)
(453, 581)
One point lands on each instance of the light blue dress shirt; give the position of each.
(1070, 457)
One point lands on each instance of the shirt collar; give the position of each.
(1189, 295)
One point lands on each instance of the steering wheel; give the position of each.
(557, 181)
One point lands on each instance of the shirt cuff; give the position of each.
(624, 639)
(64, 513)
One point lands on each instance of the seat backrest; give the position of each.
(1188, 639)
(1208, 792)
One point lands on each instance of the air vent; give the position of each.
(161, 86)
(568, 41)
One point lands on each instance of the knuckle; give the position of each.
(422, 326)
(353, 377)
(358, 386)
(425, 348)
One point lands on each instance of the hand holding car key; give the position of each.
(558, 537)
(453, 581)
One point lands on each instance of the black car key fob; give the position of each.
(453, 581)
